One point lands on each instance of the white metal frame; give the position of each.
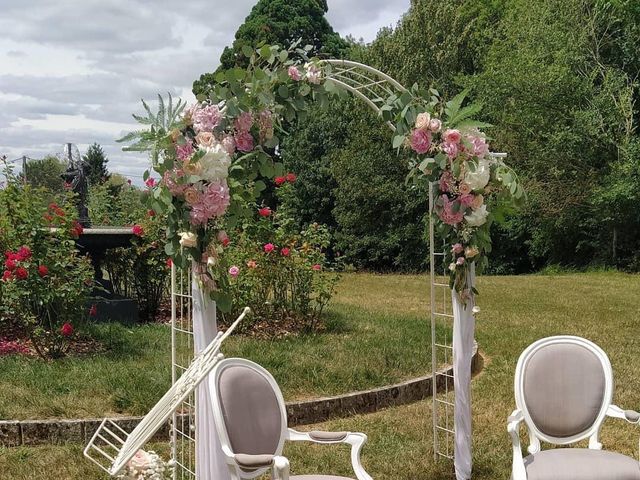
(279, 465)
(522, 412)
(111, 450)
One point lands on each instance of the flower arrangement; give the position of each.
(472, 186)
(147, 466)
(215, 157)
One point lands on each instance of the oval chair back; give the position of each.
(563, 385)
(249, 410)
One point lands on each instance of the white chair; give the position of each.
(563, 390)
(251, 421)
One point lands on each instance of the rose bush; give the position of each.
(45, 282)
(277, 270)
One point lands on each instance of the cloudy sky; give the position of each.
(75, 70)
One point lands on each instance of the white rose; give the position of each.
(479, 179)
(140, 461)
(188, 239)
(423, 120)
(477, 217)
(215, 163)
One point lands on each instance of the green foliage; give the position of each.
(45, 283)
(278, 22)
(96, 165)
(286, 284)
(45, 173)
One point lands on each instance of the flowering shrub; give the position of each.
(276, 270)
(45, 283)
(12, 347)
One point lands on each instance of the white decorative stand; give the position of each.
(463, 340)
(210, 463)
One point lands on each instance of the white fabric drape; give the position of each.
(210, 464)
(463, 341)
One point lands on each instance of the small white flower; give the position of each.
(215, 163)
(475, 310)
(480, 177)
(452, 267)
(188, 239)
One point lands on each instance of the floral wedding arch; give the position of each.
(216, 157)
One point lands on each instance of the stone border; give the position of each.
(37, 432)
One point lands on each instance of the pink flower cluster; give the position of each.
(206, 118)
(448, 214)
(213, 202)
(243, 138)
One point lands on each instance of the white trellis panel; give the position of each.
(183, 444)
(365, 82)
(441, 341)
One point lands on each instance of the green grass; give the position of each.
(370, 342)
(515, 312)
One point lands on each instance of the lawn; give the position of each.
(370, 341)
(515, 312)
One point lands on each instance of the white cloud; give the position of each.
(76, 70)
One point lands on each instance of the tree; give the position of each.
(96, 165)
(279, 22)
(46, 173)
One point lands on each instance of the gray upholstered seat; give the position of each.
(582, 464)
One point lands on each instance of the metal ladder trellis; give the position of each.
(183, 444)
(441, 309)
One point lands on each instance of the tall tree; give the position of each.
(46, 173)
(96, 165)
(279, 22)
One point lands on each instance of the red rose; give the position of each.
(67, 185)
(291, 177)
(280, 180)
(285, 252)
(137, 230)
(10, 264)
(151, 182)
(6, 276)
(24, 253)
(264, 212)
(76, 229)
(268, 248)
(151, 213)
(21, 273)
(226, 242)
(169, 262)
(43, 271)
(93, 311)
(66, 330)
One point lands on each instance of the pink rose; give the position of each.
(206, 139)
(451, 149)
(285, 252)
(467, 200)
(422, 121)
(294, 74)
(243, 122)
(460, 261)
(478, 201)
(420, 141)
(269, 247)
(244, 141)
(213, 202)
(457, 248)
(140, 461)
(205, 119)
(229, 144)
(191, 196)
(184, 152)
(234, 271)
(317, 267)
(452, 136)
(137, 230)
(464, 188)
(151, 182)
(447, 215)
(435, 125)
(480, 147)
(264, 211)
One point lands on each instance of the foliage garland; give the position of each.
(216, 157)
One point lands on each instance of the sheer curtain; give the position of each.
(210, 464)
